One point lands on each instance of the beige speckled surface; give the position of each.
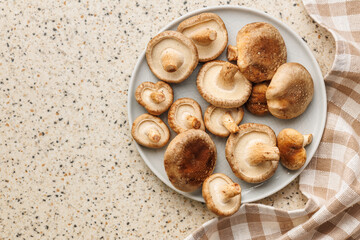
(69, 168)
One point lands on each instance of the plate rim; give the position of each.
(255, 11)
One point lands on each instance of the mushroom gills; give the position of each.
(204, 36)
(224, 194)
(171, 60)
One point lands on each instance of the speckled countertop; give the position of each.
(69, 168)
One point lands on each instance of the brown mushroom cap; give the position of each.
(257, 103)
(222, 196)
(222, 84)
(171, 56)
(252, 152)
(223, 121)
(261, 51)
(150, 131)
(208, 32)
(189, 159)
(156, 98)
(184, 114)
(290, 91)
(292, 144)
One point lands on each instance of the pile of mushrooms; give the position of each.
(261, 80)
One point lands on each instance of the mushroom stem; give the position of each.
(260, 152)
(193, 122)
(227, 74)
(204, 36)
(307, 139)
(229, 123)
(157, 97)
(154, 135)
(232, 54)
(171, 60)
(230, 190)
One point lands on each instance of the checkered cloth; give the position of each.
(331, 181)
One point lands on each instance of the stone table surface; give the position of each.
(69, 167)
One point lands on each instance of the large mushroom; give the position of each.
(189, 159)
(223, 121)
(171, 56)
(222, 196)
(260, 50)
(208, 32)
(184, 114)
(252, 152)
(290, 91)
(292, 144)
(222, 84)
(156, 98)
(150, 131)
(257, 103)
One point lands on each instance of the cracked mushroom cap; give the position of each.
(171, 56)
(290, 91)
(223, 121)
(261, 51)
(292, 144)
(156, 98)
(189, 159)
(221, 84)
(150, 131)
(257, 103)
(252, 152)
(222, 196)
(208, 32)
(185, 114)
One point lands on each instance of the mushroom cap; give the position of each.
(198, 24)
(210, 87)
(237, 149)
(177, 44)
(257, 103)
(290, 91)
(189, 159)
(142, 127)
(212, 193)
(179, 112)
(213, 119)
(291, 145)
(143, 96)
(261, 50)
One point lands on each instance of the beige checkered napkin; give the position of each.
(331, 181)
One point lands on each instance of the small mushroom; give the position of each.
(156, 98)
(290, 91)
(257, 103)
(260, 51)
(232, 53)
(292, 144)
(150, 131)
(171, 56)
(189, 159)
(252, 152)
(208, 32)
(223, 121)
(222, 84)
(222, 196)
(184, 114)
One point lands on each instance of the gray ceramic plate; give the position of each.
(312, 121)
